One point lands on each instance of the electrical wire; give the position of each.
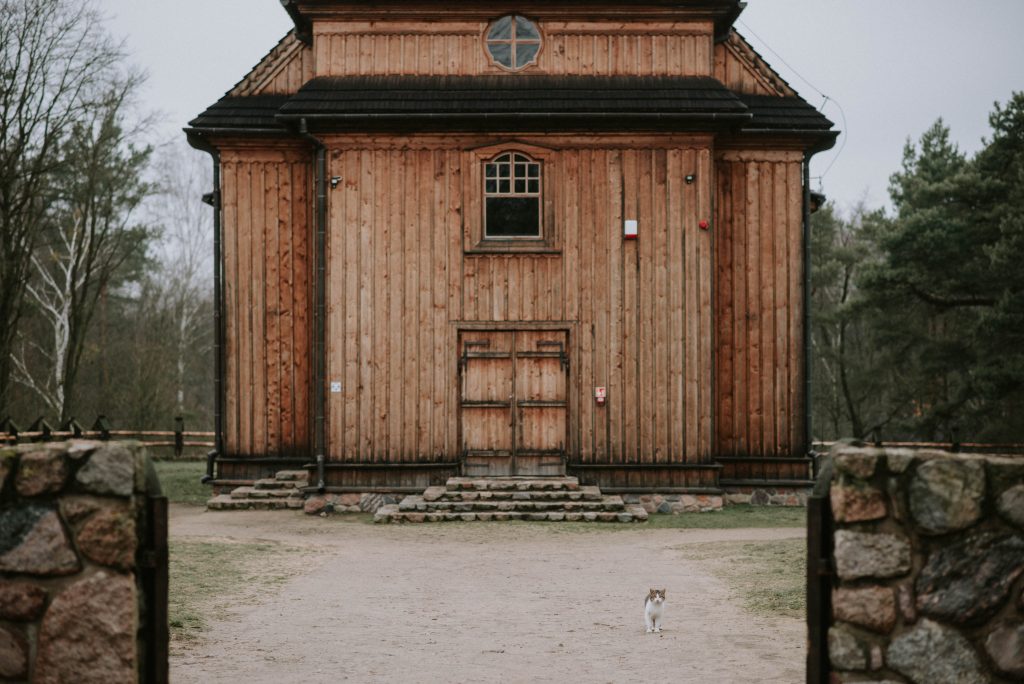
(825, 99)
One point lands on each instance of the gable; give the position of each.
(741, 69)
(389, 76)
(281, 72)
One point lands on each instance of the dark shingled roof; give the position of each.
(784, 113)
(519, 101)
(543, 95)
(246, 113)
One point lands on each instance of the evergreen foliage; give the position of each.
(919, 315)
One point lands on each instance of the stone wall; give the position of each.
(929, 554)
(71, 519)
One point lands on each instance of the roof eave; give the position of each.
(538, 122)
(717, 117)
(819, 139)
(199, 137)
(724, 24)
(303, 26)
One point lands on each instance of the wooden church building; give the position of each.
(501, 238)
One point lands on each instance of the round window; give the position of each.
(513, 42)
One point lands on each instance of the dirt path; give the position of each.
(484, 603)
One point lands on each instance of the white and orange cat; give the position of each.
(654, 609)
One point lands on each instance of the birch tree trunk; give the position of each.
(89, 243)
(55, 60)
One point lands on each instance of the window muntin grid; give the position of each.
(512, 197)
(513, 42)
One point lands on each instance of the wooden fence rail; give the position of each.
(41, 431)
(981, 447)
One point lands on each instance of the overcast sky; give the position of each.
(894, 66)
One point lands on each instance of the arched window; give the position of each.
(512, 197)
(513, 42)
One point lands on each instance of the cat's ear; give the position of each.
(652, 592)
(662, 592)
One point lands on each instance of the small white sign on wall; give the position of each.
(629, 229)
(335, 387)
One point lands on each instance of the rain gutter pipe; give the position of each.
(319, 305)
(811, 454)
(214, 200)
(218, 328)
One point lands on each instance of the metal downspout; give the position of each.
(214, 200)
(807, 312)
(319, 362)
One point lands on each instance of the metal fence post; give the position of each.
(155, 586)
(73, 427)
(42, 427)
(819, 576)
(8, 426)
(102, 426)
(179, 436)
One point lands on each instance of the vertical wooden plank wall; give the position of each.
(739, 74)
(738, 66)
(390, 269)
(281, 72)
(266, 196)
(456, 48)
(759, 309)
(639, 312)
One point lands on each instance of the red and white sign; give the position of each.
(600, 395)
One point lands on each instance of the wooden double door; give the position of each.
(513, 409)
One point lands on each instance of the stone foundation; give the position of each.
(929, 558)
(676, 503)
(767, 496)
(325, 504)
(71, 518)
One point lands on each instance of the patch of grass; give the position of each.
(180, 481)
(732, 517)
(768, 576)
(207, 576)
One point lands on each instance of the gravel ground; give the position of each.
(475, 602)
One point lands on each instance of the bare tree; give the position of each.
(185, 251)
(55, 61)
(89, 243)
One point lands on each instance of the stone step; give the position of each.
(299, 476)
(455, 484)
(392, 514)
(271, 483)
(253, 493)
(225, 502)
(420, 504)
(581, 494)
